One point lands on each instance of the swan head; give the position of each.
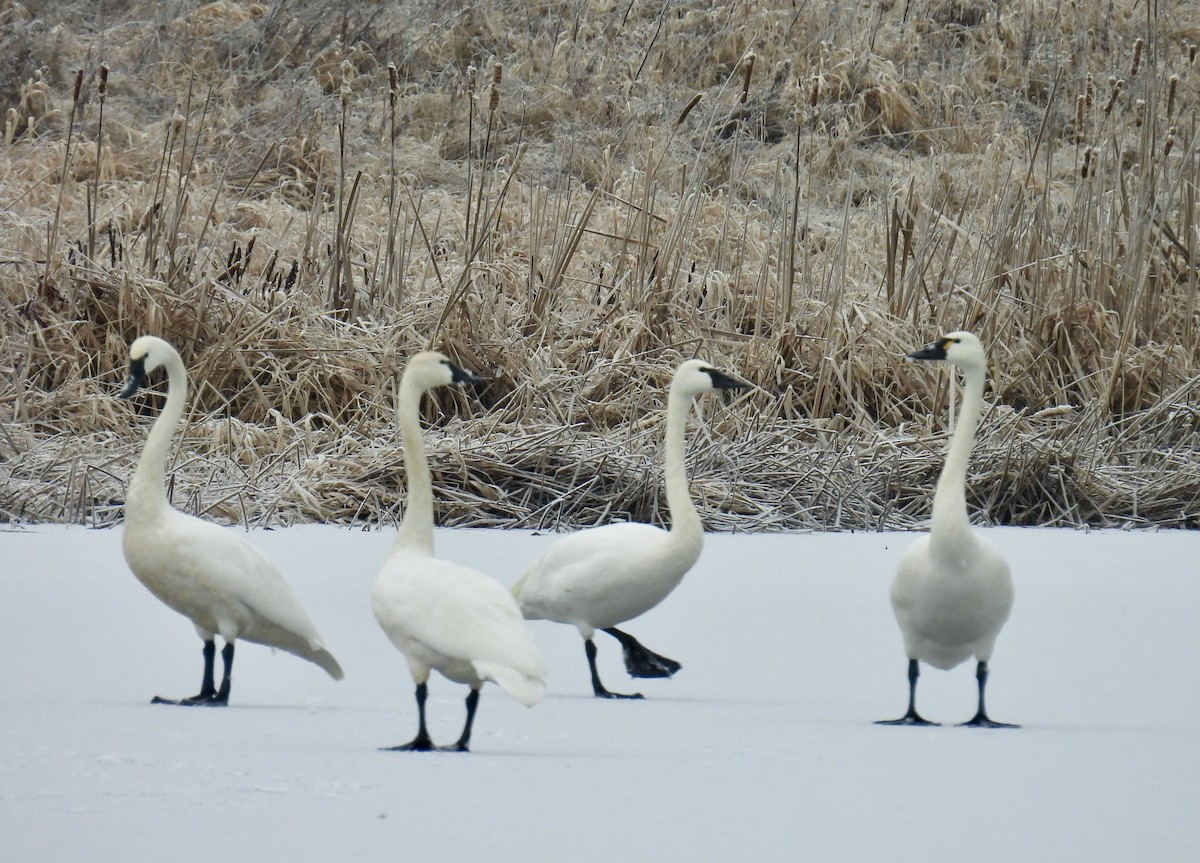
(145, 355)
(430, 369)
(958, 348)
(696, 376)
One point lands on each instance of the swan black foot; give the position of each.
(641, 662)
(985, 722)
(201, 700)
(417, 744)
(598, 688)
(911, 717)
(914, 719)
(981, 719)
(209, 695)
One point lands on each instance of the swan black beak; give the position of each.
(932, 351)
(722, 381)
(462, 376)
(137, 376)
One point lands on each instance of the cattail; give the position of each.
(1117, 86)
(393, 84)
(472, 75)
(1172, 86)
(1089, 90)
(102, 87)
(1087, 163)
(1169, 143)
(1139, 112)
(1080, 110)
(347, 73)
(1137, 56)
(747, 72)
(814, 93)
(1192, 53)
(78, 85)
(494, 97)
(692, 103)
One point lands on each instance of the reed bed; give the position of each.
(570, 197)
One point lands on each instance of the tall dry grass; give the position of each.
(571, 196)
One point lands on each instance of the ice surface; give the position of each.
(762, 748)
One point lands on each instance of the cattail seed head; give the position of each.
(1137, 56)
(1170, 142)
(814, 92)
(1116, 85)
(393, 82)
(1172, 86)
(494, 96)
(1192, 53)
(1080, 110)
(695, 100)
(1139, 112)
(102, 86)
(1087, 162)
(747, 73)
(1089, 90)
(78, 85)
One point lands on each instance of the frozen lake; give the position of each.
(761, 748)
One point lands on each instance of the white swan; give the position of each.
(953, 591)
(438, 614)
(205, 572)
(602, 576)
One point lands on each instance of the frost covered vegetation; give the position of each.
(568, 197)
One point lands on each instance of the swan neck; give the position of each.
(147, 494)
(950, 499)
(416, 528)
(685, 521)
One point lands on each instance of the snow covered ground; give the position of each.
(761, 748)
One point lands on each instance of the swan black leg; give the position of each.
(981, 720)
(589, 647)
(465, 738)
(222, 696)
(208, 696)
(911, 717)
(420, 743)
(639, 661)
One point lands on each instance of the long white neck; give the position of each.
(685, 521)
(950, 500)
(416, 530)
(147, 496)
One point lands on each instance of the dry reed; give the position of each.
(299, 199)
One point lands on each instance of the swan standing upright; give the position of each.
(953, 591)
(603, 576)
(438, 614)
(207, 573)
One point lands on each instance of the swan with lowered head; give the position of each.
(438, 614)
(953, 591)
(207, 573)
(603, 576)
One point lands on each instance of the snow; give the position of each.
(761, 748)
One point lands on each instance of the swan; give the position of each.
(207, 573)
(603, 576)
(438, 614)
(953, 592)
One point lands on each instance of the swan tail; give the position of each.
(324, 658)
(519, 586)
(525, 688)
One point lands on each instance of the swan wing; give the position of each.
(455, 612)
(224, 584)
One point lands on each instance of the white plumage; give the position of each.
(953, 591)
(440, 615)
(207, 573)
(603, 576)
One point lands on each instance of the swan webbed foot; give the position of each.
(212, 700)
(630, 696)
(911, 719)
(981, 720)
(640, 661)
(420, 743)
